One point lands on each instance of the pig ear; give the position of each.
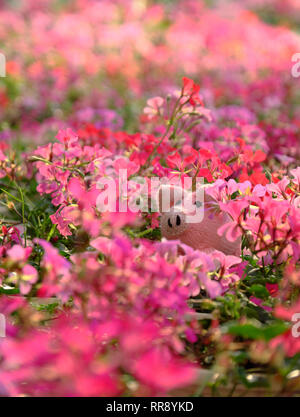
(168, 195)
(202, 194)
(207, 196)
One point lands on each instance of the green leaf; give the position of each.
(259, 291)
(274, 330)
(247, 331)
(9, 291)
(256, 331)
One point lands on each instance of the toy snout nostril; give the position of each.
(178, 220)
(169, 223)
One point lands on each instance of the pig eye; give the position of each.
(198, 204)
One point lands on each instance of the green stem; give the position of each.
(23, 213)
(170, 124)
(51, 232)
(12, 196)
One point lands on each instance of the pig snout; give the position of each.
(173, 224)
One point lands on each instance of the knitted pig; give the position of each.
(201, 235)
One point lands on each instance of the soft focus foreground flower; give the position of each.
(95, 303)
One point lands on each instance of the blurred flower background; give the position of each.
(96, 303)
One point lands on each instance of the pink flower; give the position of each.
(67, 137)
(296, 174)
(279, 188)
(231, 229)
(18, 253)
(122, 163)
(29, 277)
(64, 217)
(213, 288)
(154, 106)
(172, 372)
(86, 198)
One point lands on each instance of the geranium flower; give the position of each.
(191, 89)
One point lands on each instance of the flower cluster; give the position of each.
(96, 302)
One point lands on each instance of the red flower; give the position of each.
(273, 289)
(191, 89)
(205, 173)
(175, 160)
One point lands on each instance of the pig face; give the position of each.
(177, 207)
(193, 220)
